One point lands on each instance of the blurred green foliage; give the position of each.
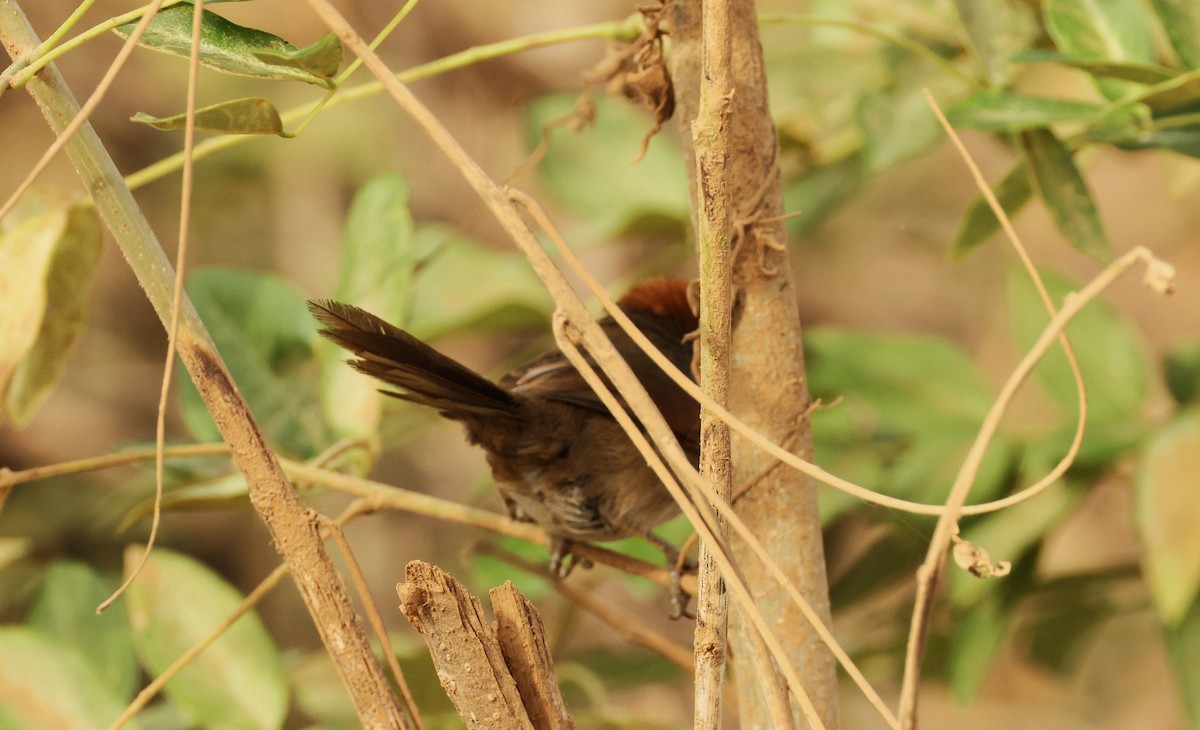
(846, 96)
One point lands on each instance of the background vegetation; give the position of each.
(1084, 115)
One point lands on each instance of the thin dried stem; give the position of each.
(185, 211)
(734, 580)
(710, 139)
(333, 528)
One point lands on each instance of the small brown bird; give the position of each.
(558, 457)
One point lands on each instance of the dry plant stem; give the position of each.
(929, 572)
(710, 139)
(390, 497)
(1011, 233)
(294, 533)
(522, 637)
(151, 690)
(379, 494)
(185, 210)
(10, 479)
(733, 577)
(466, 653)
(757, 439)
(726, 510)
(1158, 276)
(768, 385)
(333, 528)
(622, 622)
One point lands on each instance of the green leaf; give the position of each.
(48, 253)
(239, 680)
(1065, 193)
(1181, 21)
(1062, 614)
(1137, 72)
(379, 261)
(321, 59)
(224, 45)
(66, 609)
(908, 380)
(911, 407)
(592, 171)
(225, 491)
(264, 332)
(381, 251)
(1184, 140)
(465, 284)
(1111, 356)
(252, 115)
(1183, 649)
(816, 194)
(1166, 504)
(980, 223)
(1121, 125)
(978, 637)
(45, 683)
(1181, 369)
(896, 121)
(995, 32)
(1108, 30)
(994, 110)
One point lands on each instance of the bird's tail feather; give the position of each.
(422, 374)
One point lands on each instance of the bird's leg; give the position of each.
(562, 560)
(679, 597)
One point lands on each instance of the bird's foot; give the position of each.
(562, 560)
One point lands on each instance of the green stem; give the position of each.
(47, 52)
(613, 30)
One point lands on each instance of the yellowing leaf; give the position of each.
(46, 265)
(1168, 511)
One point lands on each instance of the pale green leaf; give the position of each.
(593, 172)
(993, 110)
(265, 334)
(1107, 30)
(45, 683)
(466, 284)
(321, 59)
(1181, 20)
(252, 115)
(978, 637)
(1140, 72)
(996, 30)
(239, 680)
(66, 609)
(1167, 505)
(46, 266)
(1183, 649)
(379, 258)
